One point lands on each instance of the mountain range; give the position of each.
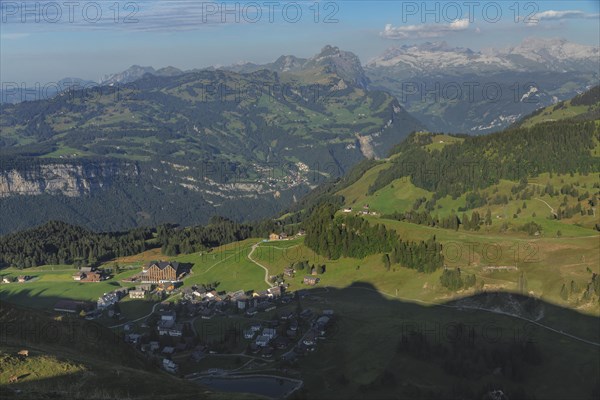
(532, 55)
(464, 91)
(185, 146)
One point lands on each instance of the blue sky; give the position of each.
(46, 41)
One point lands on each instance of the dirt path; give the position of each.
(259, 264)
(549, 206)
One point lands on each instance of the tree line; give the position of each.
(353, 236)
(480, 161)
(60, 243)
(57, 243)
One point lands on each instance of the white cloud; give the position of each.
(554, 15)
(424, 30)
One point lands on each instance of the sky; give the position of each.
(44, 41)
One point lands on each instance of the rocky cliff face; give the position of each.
(72, 180)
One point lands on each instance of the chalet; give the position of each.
(263, 294)
(273, 236)
(137, 294)
(274, 292)
(87, 276)
(269, 332)
(167, 325)
(301, 232)
(6, 280)
(22, 279)
(289, 272)
(309, 339)
(170, 366)
(294, 325)
(311, 280)
(168, 316)
(238, 299)
(262, 341)
(78, 276)
(133, 338)
(161, 272)
(248, 334)
(280, 236)
(91, 277)
(322, 323)
(347, 210)
(153, 346)
(168, 350)
(170, 328)
(108, 299)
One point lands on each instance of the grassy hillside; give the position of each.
(364, 357)
(583, 106)
(71, 358)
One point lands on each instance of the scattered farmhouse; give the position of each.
(170, 366)
(275, 292)
(168, 326)
(278, 236)
(137, 294)
(87, 276)
(311, 280)
(262, 341)
(108, 299)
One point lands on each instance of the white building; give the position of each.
(262, 341)
(269, 332)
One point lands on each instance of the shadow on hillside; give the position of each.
(380, 347)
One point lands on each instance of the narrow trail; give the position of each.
(259, 264)
(549, 206)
